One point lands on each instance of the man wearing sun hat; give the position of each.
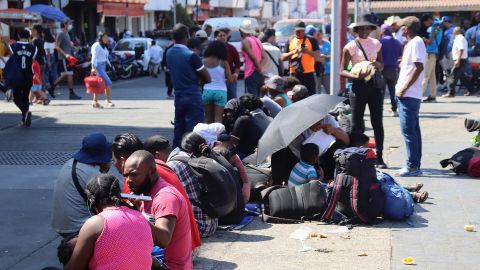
(397, 33)
(254, 56)
(70, 209)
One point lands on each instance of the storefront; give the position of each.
(117, 15)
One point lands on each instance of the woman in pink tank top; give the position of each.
(117, 238)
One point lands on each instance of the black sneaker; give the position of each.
(74, 96)
(429, 99)
(9, 95)
(28, 119)
(51, 91)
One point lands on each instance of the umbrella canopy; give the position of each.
(48, 12)
(292, 121)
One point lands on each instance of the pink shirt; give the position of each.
(256, 46)
(167, 201)
(125, 242)
(371, 47)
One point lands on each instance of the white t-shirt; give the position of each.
(459, 43)
(156, 53)
(399, 36)
(414, 52)
(49, 47)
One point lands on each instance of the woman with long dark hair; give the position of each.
(364, 92)
(215, 93)
(117, 237)
(99, 64)
(51, 63)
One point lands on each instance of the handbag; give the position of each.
(378, 81)
(95, 85)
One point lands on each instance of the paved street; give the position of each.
(434, 236)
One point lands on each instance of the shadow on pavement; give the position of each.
(210, 264)
(231, 236)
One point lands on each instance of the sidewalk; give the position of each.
(434, 236)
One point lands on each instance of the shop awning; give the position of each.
(160, 5)
(121, 9)
(143, 2)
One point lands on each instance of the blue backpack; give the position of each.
(398, 203)
(12, 73)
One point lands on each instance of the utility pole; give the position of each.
(335, 52)
(174, 12)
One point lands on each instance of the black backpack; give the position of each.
(460, 160)
(260, 178)
(218, 194)
(356, 195)
(296, 204)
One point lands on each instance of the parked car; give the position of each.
(233, 23)
(128, 46)
(284, 30)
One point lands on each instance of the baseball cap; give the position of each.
(201, 34)
(446, 19)
(386, 29)
(276, 83)
(299, 25)
(310, 30)
(156, 143)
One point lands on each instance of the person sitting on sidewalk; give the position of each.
(105, 240)
(275, 87)
(307, 168)
(69, 204)
(171, 229)
(193, 145)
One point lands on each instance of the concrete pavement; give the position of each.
(434, 236)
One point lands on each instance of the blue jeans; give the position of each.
(101, 71)
(188, 113)
(408, 110)
(231, 90)
(253, 83)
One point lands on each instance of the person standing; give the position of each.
(391, 53)
(409, 95)
(186, 69)
(156, 53)
(325, 49)
(39, 43)
(302, 52)
(65, 49)
(51, 61)
(254, 56)
(233, 60)
(99, 64)
(365, 92)
(460, 58)
(432, 40)
(274, 64)
(168, 79)
(25, 53)
(397, 32)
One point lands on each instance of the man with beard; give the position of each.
(171, 230)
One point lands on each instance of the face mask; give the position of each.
(70, 27)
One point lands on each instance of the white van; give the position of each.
(234, 24)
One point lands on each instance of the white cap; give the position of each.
(201, 34)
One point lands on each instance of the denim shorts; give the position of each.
(100, 69)
(216, 97)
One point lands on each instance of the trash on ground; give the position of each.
(323, 250)
(339, 230)
(301, 233)
(363, 254)
(408, 261)
(469, 228)
(305, 247)
(346, 236)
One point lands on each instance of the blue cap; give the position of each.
(446, 19)
(310, 30)
(437, 22)
(95, 150)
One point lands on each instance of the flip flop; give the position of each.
(414, 188)
(420, 197)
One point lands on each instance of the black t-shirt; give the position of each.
(423, 33)
(25, 53)
(249, 129)
(38, 43)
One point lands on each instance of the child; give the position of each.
(305, 170)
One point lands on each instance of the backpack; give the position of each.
(12, 73)
(460, 160)
(218, 195)
(398, 201)
(356, 196)
(282, 204)
(473, 169)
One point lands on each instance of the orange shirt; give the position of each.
(308, 61)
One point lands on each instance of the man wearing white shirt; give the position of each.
(409, 95)
(156, 53)
(460, 58)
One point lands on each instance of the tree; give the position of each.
(182, 17)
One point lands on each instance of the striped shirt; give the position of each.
(302, 173)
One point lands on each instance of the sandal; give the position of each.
(109, 104)
(414, 188)
(420, 197)
(97, 105)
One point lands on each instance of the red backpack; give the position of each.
(473, 169)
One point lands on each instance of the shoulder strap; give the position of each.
(165, 166)
(334, 196)
(79, 188)
(273, 60)
(183, 159)
(361, 48)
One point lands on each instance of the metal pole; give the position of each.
(355, 18)
(335, 52)
(174, 12)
